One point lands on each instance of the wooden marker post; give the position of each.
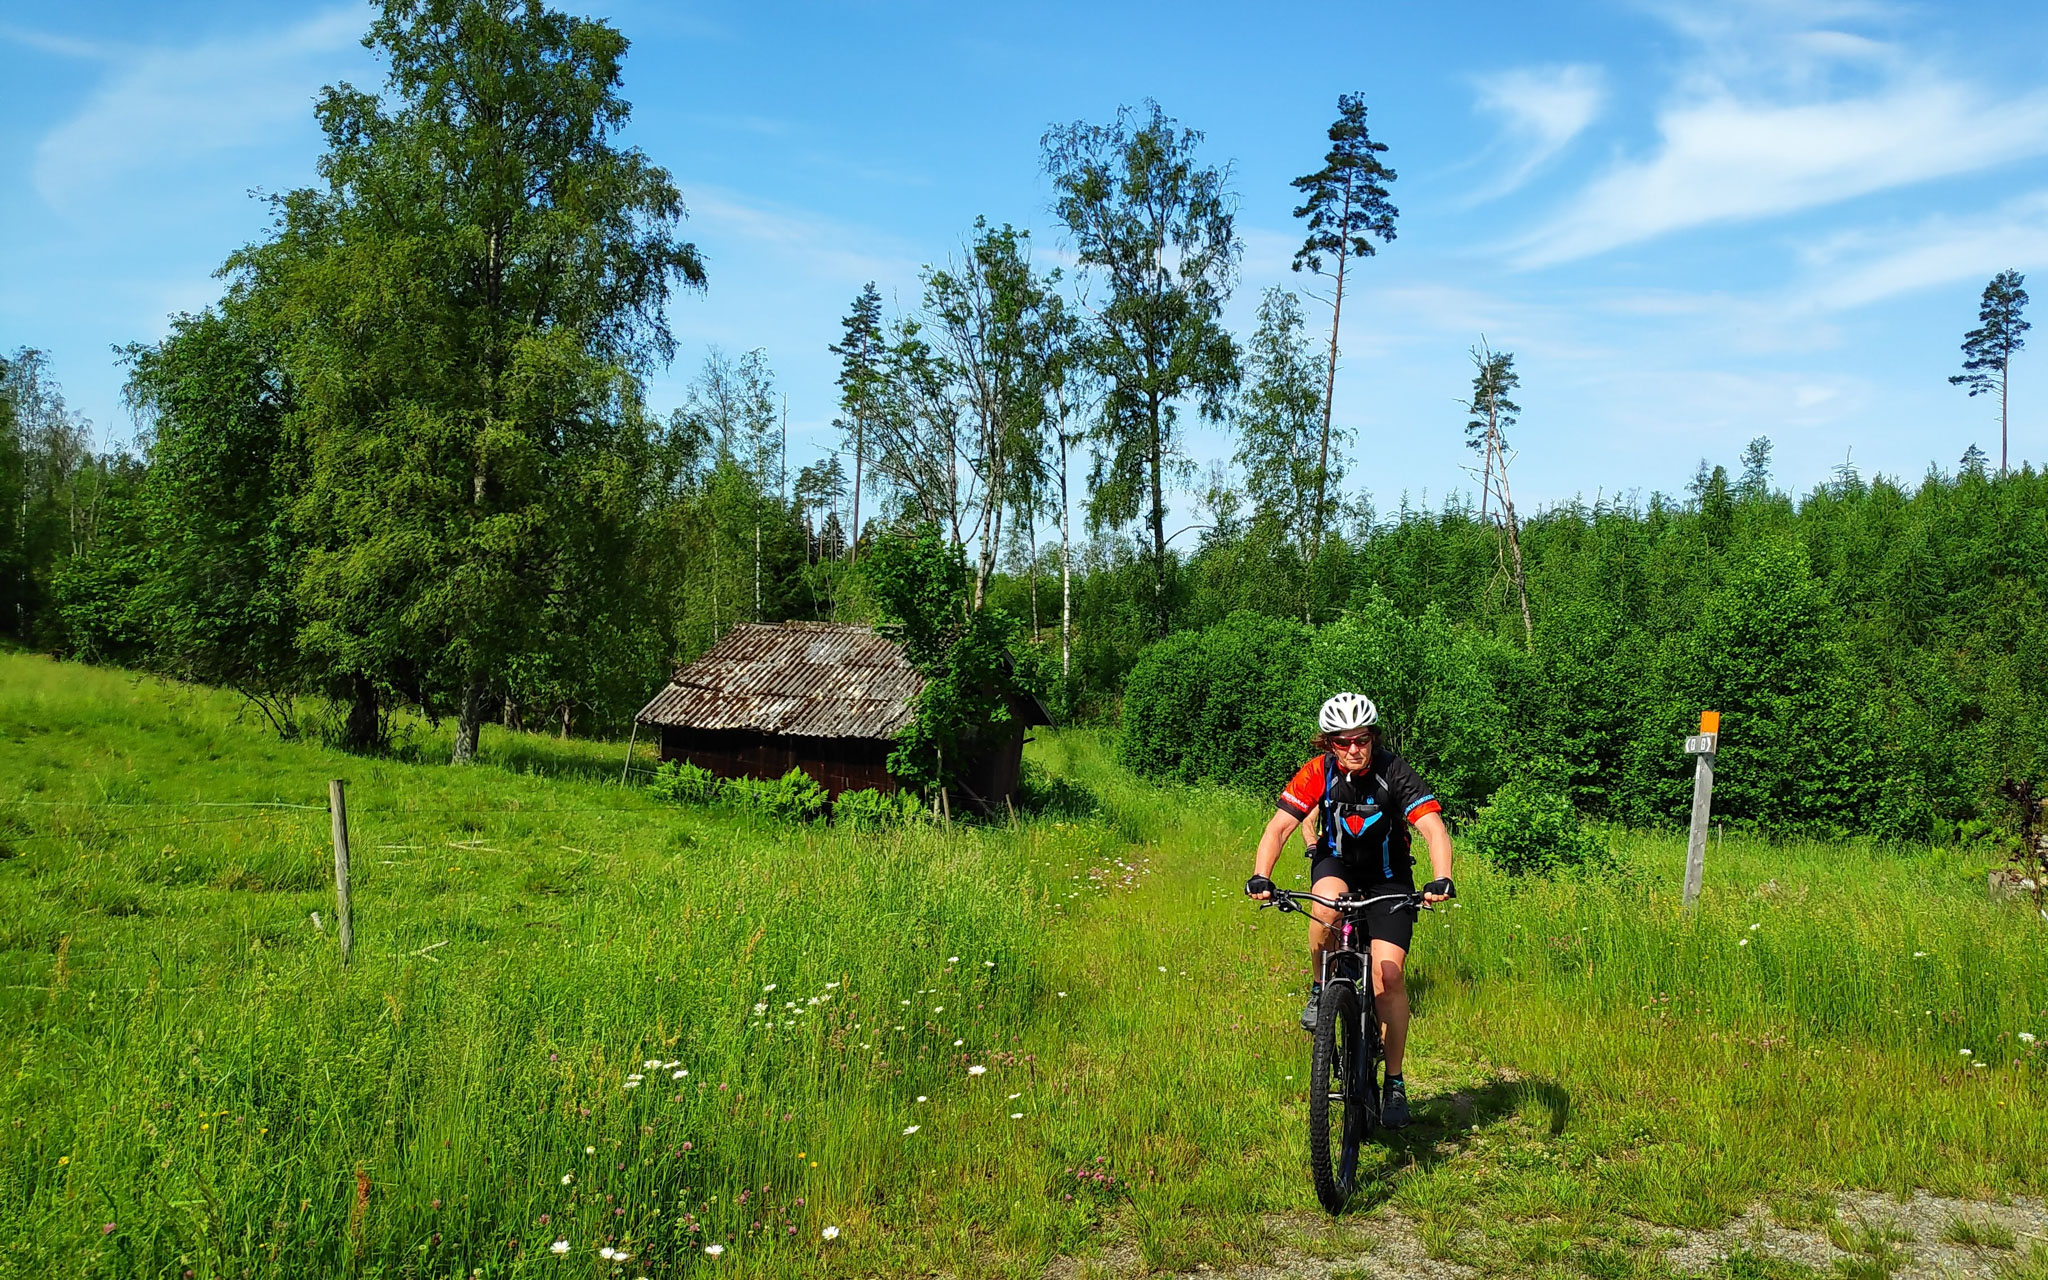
(631, 738)
(337, 808)
(1702, 746)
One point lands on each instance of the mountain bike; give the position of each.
(1344, 1065)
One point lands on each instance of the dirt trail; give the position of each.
(1386, 1246)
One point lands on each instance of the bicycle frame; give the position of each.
(1349, 925)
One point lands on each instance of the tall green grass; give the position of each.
(198, 1085)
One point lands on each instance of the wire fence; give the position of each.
(257, 809)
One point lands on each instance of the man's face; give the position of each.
(1353, 750)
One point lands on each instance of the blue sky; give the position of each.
(1692, 223)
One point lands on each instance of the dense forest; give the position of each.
(406, 463)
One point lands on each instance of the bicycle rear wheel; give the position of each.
(1336, 1123)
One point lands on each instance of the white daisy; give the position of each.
(830, 1233)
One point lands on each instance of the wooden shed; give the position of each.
(828, 698)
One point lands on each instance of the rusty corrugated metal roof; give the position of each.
(805, 679)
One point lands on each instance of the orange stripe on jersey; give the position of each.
(1305, 790)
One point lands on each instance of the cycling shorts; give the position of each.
(1384, 921)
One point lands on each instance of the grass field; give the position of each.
(578, 1015)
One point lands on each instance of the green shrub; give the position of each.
(1223, 704)
(1531, 828)
(684, 783)
(794, 797)
(868, 807)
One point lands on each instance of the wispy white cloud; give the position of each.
(1727, 159)
(1857, 268)
(1780, 106)
(158, 109)
(62, 46)
(1541, 109)
(821, 247)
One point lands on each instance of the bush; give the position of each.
(794, 797)
(1223, 704)
(1531, 828)
(868, 807)
(684, 783)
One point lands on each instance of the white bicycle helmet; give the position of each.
(1347, 711)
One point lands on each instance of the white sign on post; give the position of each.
(1701, 747)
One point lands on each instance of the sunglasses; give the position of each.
(1351, 744)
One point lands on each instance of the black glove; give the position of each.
(1257, 885)
(1443, 886)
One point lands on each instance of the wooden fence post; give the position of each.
(1701, 746)
(337, 808)
(631, 738)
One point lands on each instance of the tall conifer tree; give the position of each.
(1988, 349)
(1346, 205)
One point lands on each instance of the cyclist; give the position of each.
(1363, 798)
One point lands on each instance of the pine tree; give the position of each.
(860, 381)
(1988, 348)
(1346, 206)
(1492, 414)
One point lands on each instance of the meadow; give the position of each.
(589, 1033)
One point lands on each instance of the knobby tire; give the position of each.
(1336, 1125)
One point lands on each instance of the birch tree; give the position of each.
(1158, 227)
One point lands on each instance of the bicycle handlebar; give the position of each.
(1289, 900)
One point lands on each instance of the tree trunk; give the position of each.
(1486, 477)
(2004, 400)
(1031, 550)
(1330, 383)
(363, 730)
(469, 723)
(1158, 452)
(1507, 506)
(1066, 569)
(853, 538)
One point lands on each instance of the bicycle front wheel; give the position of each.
(1334, 1125)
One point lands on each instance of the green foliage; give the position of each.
(1446, 692)
(1278, 416)
(868, 807)
(920, 583)
(793, 797)
(1531, 828)
(1799, 748)
(1224, 704)
(1159, 227)
(461, 309)
(681, 782)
